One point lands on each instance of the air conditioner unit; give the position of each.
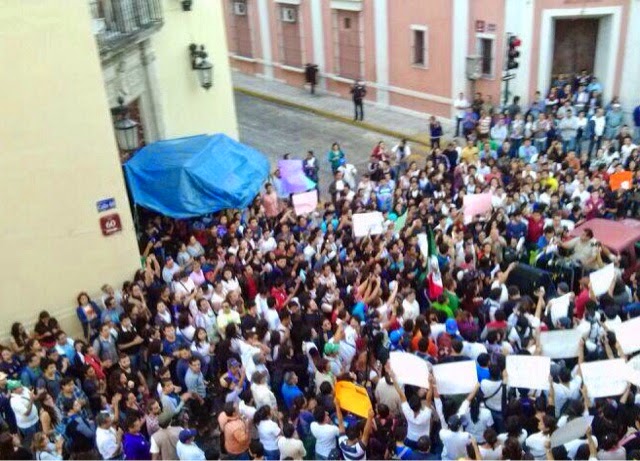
(239, 8)
(288, 14)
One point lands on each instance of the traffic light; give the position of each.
(512, 52)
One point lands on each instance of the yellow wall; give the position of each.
(189, 109)
(58, 157)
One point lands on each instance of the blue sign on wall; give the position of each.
(106, 204)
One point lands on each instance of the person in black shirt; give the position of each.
(358, 92)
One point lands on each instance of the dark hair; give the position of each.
(512, 449)
(256, 448)
(288, 430)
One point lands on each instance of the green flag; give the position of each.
(401, 221)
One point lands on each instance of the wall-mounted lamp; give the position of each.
(201, 65)
(186, 5)
(126, 129)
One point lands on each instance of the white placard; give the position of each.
(605, 378)
(423, 244)
(368, 224)
(628, 335)
(602, 278)
(305, 203)
(528, 371)
(456, 378)
(410, 369)
(573, 430)
(560, 344)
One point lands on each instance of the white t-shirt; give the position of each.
(19, 405)
(473, 350)
(485, 420)
(291, 448)
(268, 432)
(325, 435)
(488, 453)
(272, 318)
(411, 309)
(536, 443)
(455, 444)
(419, 425)
(189, 452)
(106, 442)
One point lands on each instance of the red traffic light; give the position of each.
(515, 41)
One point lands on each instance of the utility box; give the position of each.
(474, 69)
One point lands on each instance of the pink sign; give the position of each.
(475, 204)
(305, 203)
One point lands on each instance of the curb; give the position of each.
(332, 116)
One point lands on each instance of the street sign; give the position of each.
(110, 224)
(105, 204)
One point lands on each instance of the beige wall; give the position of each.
(187, 108)
(58, 158)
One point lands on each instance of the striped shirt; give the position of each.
(351, 452)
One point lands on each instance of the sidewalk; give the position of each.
(382, 120)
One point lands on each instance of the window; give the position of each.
(486, 51)
(347, 23)
(240, 8)
(419, 40)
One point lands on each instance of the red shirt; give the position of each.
(280, 295)
(581, 301)
(535, 229)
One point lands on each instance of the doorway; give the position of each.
(575, 45)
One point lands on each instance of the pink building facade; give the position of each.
(413, 53)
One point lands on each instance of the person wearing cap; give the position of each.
(25, 411)
(186, 449)
(331, 350)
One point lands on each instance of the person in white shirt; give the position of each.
(186, 449)
(460, 104)
(476, 419)
(418, 416)
(454, 439)
(411, 306)
(324, 432)
(26, 413)
(108, 441)
(289, 446)
(536, 443)
(268, 431)
(262, 394)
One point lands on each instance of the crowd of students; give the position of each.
(230, 340)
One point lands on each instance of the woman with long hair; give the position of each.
(50, 416)
(44, 450)
(19, 338)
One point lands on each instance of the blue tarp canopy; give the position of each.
(193, 176)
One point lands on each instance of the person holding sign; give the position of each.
(418, 416)
(352, 446)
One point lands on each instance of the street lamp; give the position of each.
(203, 68)
(126, 129)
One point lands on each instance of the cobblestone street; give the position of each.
(276, 130)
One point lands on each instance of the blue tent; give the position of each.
(193, 176)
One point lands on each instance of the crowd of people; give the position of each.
(230, 340)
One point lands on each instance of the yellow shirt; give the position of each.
(550, 182)
(469, 154)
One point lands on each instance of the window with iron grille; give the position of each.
(486, 51)
(420, 46)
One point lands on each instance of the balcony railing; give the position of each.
(117, 23)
